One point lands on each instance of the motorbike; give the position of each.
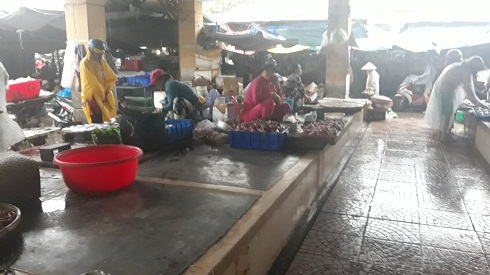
(28, 113)
(410, 96)
(413, 93)
(62, 112)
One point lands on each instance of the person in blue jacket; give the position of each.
(180, 98)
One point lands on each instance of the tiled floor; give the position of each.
(405, 204)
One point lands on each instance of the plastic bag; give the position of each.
(203, 125)
(68, 74)
(203, 128)
(218, 115)
(337, 37)
(10, 132)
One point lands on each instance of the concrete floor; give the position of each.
(405, 204)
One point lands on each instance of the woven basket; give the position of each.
(20, 180)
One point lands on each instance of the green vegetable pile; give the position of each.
(109, 135)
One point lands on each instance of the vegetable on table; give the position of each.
(328, 127)
(109, 135)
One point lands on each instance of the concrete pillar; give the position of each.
(337, 79)
(190, 24)
(85, 20)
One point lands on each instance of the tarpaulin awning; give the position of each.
(438, 36)
(309, 33)
(230, 48)
(29, 19)
(251, 42)
(281, 50)
(45, 31)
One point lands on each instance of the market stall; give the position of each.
(477, 130)
(185, 209)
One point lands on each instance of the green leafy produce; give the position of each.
(109, 135)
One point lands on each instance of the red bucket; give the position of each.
(23, 90)
(99, 169)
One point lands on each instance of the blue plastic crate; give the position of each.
(181, 130)
(122, 80)
(141, 80)
(257, 140)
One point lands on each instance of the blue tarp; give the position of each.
(310, 33)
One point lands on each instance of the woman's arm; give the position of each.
(170, 101)
(6, 75)
(299, 84)
(487, 83)
(469, 89)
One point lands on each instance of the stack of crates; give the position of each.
(140, 80)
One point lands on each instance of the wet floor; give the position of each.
(405, 204)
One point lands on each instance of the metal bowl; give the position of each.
(223, 126)
(14, 224)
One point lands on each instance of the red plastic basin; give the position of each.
(99, 169)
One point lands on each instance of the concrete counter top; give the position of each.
(211, 210)
(148, 228)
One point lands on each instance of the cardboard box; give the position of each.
(208, 59)
(232, 86)
(220, 80)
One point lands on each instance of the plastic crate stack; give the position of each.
(178, 130)
(257, 140)
(141, 80)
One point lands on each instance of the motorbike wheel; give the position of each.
(400, 103)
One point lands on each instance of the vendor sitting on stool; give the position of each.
(264, 98)
(180, 98)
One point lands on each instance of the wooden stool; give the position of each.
(47, 152)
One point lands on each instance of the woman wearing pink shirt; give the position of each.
(264, 98)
